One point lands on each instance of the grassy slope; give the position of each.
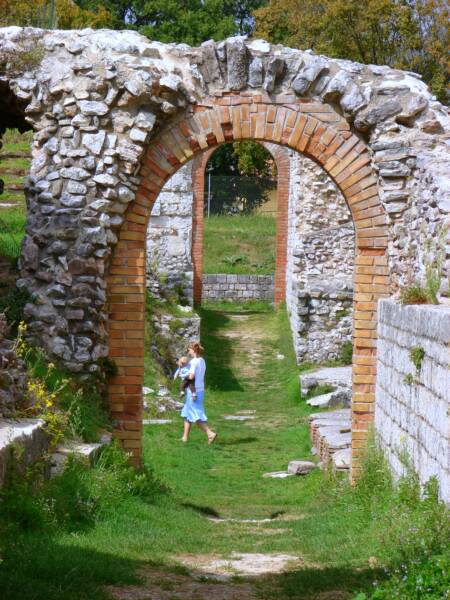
(240, 244)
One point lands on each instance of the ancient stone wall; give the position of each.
(114, 116)
(13, 375)
(320, 265)
(238, 287)
(169, 237)
(412, 409)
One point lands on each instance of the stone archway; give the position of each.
(198, 180)
(319, 133)
(115, 115)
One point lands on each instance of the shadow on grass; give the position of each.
(309, 583)
(236, 441)
(203, 510)
(38, 568)
(218, 352)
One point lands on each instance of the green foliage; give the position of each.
(191, 22)
(82, 495)
(12, 303)
(435, 253)
(242, 175)
(77, 498)
(407, 35)
(426, 579)
(408, 379)
(319, 390)
(103, 535)
(50, 14)
(346, 353)
(12, 230)
(417, 354)
(242, 158)
(26, 57)
(414, 294)
(80, 400)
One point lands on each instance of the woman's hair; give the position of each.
(195, 346)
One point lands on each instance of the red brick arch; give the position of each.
(313, 129)
(281, 159)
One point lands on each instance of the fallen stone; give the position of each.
(337, 377)
(146, 391)
(336, 398)
(341, 459)
(238, 417)
(277, 475)
(301, 467)
(60, 456)
(156, 421)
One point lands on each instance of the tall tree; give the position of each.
(406, 34)
(66, 15)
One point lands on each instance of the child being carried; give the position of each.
(183, 373)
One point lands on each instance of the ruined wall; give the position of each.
(238, 287)
(169, 236)
(96, 100)
(319, 278)
(412, 409)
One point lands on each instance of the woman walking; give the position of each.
(193, 410)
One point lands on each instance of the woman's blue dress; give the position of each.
(194, 411)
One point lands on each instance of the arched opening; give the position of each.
(322, 136)
(271, 217)
(15, 159)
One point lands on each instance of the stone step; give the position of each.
(337, 377)
(61, 454)
(27, 434)
(340, 397)
(330, 433)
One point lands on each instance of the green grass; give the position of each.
(12, 219)
(337, 530)
(12, 231)
(239, 244)
(14, 141)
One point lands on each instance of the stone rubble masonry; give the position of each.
(169, 236)
(238, 287)
(320, 263)
(148, 109)
(13, 374)
(412, 411)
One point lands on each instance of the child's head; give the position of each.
(183, 361)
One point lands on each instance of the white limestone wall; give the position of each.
(320, 259)
(169, 235)
(412, 412)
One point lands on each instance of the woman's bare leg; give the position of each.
(187, 429)
(204, 427)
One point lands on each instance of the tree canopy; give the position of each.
(183, 21)
(67, 14)
(407, 34)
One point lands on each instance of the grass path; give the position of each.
(211, 502)
(231, 508)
